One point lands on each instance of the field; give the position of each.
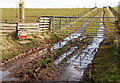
(104, 68)
(8, 14)
(74, 24)
(35, 60)
(117, 9)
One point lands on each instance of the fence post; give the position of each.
(17, 29)
(60, 23)
(70, 19)
(118, 36)
(21, 11)
(67, 24)
(80, 61)
(50, 24)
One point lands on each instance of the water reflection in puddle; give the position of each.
(3, 75)
(81, 59)
(65, 55)
(10, 79)
(77, 34)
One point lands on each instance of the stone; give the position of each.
(24, 42)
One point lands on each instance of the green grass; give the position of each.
(72, 26)
(117, 9)
(16, 47)
(93, 24)
(9, 42)
(109, 25)
(11, 13)
(105, 67)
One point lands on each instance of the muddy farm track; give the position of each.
(71, 56)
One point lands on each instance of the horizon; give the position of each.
(59, 4)
(56, 8)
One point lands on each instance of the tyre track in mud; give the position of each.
(75, 71)
(25, 54)
(31, 63)
(66, 72)
(48, 75)
(21, 59)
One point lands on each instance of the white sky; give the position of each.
(58, 3)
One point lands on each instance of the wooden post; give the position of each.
(70, 19)
(80, 61)
(118, 27)
(21, 11)
(119, 9)
(50, 24)
(118, 35)
(60, 23)
(17, 29)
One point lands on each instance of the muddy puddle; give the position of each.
(77, 34)
(73, 69)
(80, 61)
(4, 75)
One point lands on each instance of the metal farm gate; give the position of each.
(87, 26)
(64, 26)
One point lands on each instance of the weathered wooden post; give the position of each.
(60, 23)
(119, 9)
(51, 24)
(21, 11)
(118, 29)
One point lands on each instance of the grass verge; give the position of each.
(12, 46)
(105, 66)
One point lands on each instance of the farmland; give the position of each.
(117, 9)
(8, 13)
(48, 56)
(105, 64)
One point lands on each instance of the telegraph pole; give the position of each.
(95, 3)
(21, 11)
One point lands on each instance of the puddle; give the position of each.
(71, 71)
(65, 55)
(88, 54)
(10, 79)
(82, 59)
(3, 75)
(77, 34)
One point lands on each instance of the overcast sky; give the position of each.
(58, 3)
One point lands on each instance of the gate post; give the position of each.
(21, 11)
(118, 27)
(118, 35)
(17, 29)
(50, 24)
